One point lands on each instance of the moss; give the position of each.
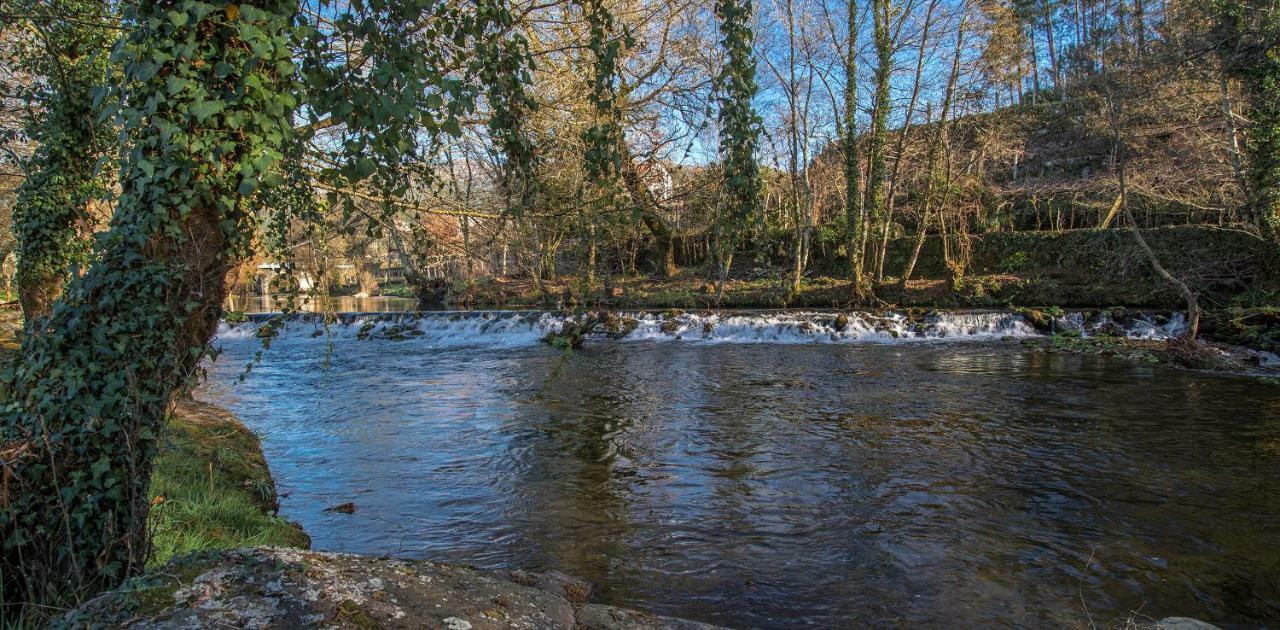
(1038, 319)
(348, 611)
(153, 592)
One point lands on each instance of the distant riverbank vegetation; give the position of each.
(161, 156)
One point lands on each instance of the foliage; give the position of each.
(206, 110)
(1013, 262)
(69, 61)
(739, 128)
(505, 72)
(876, 164)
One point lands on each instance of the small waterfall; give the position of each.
(509, 329)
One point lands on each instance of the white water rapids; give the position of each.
(523, 328)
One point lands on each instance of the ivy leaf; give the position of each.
(202, 110)
(177, 18)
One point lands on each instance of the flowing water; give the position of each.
(779, 469)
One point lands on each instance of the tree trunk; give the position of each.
(647, 207)
(854, 211)
(901, 148)
(1053, 51)
(1120, 150)
(91, 394)
(936, 146)
(51, 211)
(1233, 137)
(880, 115)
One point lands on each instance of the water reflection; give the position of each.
(315, 304)
(772, 485)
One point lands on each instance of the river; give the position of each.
(764, 472)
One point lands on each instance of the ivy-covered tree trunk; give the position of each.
(1262, 84)
(739, 134)
(208, 108)
(879, 116)
(51, 219)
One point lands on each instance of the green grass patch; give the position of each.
(211, 488)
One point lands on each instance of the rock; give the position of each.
(574, 590)
(342, 508)
(842, 322)
(669, 326)
(1040, 320)
(292, 588)
(1109, 329)
(599, 617)
(611, 323)
(1184, 623)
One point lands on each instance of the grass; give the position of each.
(210, 486)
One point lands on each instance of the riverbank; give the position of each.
(211, 488)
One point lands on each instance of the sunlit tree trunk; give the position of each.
(880, 115)
(855, 213)
(935, 155)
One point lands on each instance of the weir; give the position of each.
(525, 328)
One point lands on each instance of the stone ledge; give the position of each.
(294, 588)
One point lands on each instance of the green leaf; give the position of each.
(202, 110)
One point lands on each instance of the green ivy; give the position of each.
(876, 165)
(67, 60)
(506, 67)
(212, 101)
(854, 220)
(207, 107)
(602, 160)
(739, 129)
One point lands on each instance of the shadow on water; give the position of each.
(770, 485)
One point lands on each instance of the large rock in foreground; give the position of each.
(293, 588)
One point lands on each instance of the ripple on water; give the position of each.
(768, 485)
